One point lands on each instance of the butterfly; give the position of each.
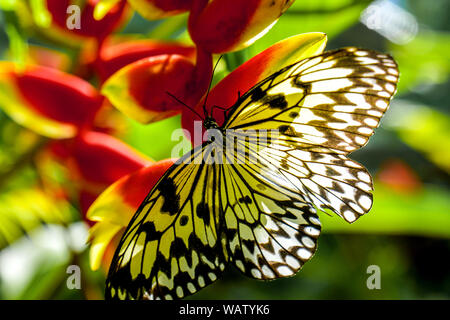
(254, 203)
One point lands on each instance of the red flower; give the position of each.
(89, 27)
(141, 89)
(61, 106)
(114, 208)
(114, 56)
(220, 26)
(399, 176)
(50, 102)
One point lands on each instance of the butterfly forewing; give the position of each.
(329, 103)
(171, 247)
(319, 110)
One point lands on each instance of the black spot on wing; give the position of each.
(306, 87)
(277, 101)
(331, 172)
(202, 211)
(184, 220)
(150, 231)
(257, 94)
(250, 244)
(123, 281)
(289, 131)
(245, 199)
(284, 164)
(178, 248)
(171, 203)
(293, 114)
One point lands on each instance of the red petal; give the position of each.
(89, 27)
(48, 58)
(120, 201)
(135, 187)
(59, 96)
(171, 5)
(399, 176)
(48, 101)
(225, 25)
(113, 209)
(100, 159)
(140, 90)
(115, 56)
(86, 199)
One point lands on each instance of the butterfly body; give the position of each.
(248, 195)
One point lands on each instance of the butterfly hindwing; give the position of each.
(170, 248)
(271, 232)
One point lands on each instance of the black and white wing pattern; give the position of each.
(317, 111)
(271, 231)
(171, 247)
(250, 196)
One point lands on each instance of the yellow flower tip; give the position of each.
(102, 8)
(257, 37)
(101, 236)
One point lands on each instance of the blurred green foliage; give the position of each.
(18, 216)
(406, 234)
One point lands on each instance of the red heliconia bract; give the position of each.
(59, 96)
(101, 159)
(220, 26)
(89, 26)
(113, 57)
(114, 208)
(145, 89)
(48, 101)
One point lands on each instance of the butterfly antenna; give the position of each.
(209, 87)
(184, 104)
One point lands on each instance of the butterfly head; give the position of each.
(210, 123)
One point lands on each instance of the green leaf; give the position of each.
(155, 139)
(18, 44)
(169, 27)
(424, 60)
(424, 129)
(328, 16)
(41, 15)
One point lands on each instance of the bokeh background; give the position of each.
(406, 233)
